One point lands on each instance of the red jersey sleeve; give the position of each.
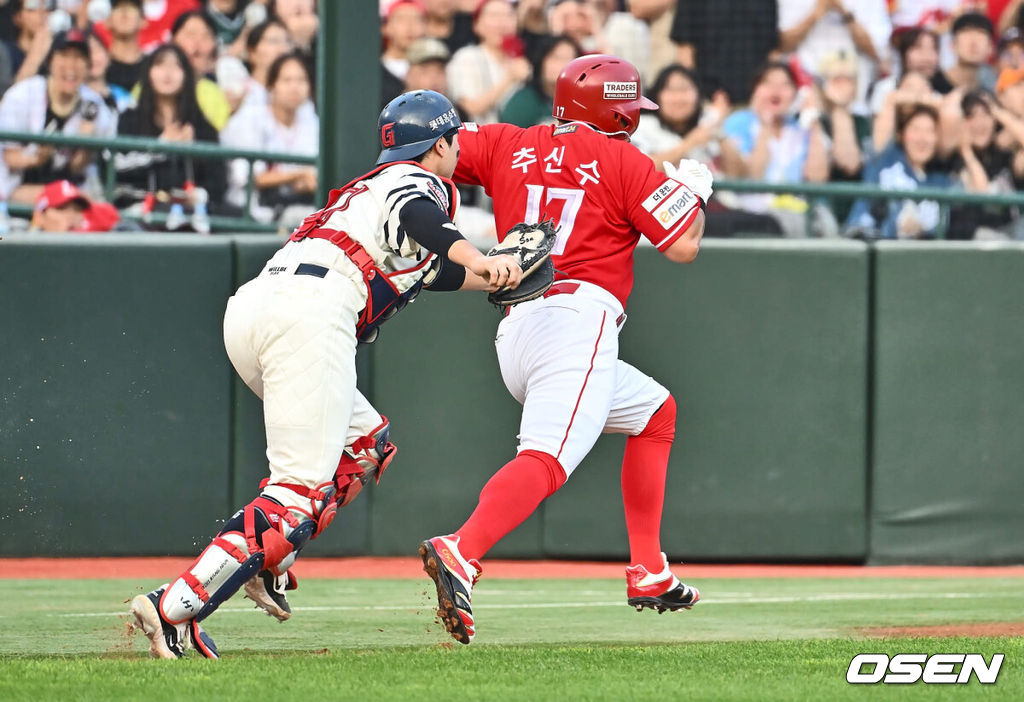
(477, 147)
(658, 207)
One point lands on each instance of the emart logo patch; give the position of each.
(937, 669)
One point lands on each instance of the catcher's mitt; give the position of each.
(530, 245)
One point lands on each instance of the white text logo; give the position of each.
(937, 669)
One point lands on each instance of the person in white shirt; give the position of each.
(812, 29)
(57, 102)
(279, 125)
(482, 77)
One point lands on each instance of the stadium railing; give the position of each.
(826, 192)
(124, 144)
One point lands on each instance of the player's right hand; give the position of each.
(499, 272)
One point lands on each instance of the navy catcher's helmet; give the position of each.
(411, 123)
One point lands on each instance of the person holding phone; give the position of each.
(483, 76)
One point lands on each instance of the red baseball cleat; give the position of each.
(661, 591)
(454, 577)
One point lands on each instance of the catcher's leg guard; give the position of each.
(264, 535)
(363, 459)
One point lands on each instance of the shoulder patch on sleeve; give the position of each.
(670, 203)
(438, 193)
(658, 196)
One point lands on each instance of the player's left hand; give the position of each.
(693, 174)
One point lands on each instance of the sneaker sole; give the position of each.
(254, 591)
(447, 613)
(642, 603)
(147, 619)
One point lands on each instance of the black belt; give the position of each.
(310, 269)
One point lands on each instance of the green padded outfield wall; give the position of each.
(948, 454)
(763, 345)
(350, 532)
(114, 394)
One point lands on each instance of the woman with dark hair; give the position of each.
(196, 34)
(682, 127)
(918, 51)
(264, 44)
(986, 167)
(281, 125)
(532, 103)
(779, 139)
(910, 162)
(167, 109)
(302, 21)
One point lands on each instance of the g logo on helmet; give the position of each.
(387, 135)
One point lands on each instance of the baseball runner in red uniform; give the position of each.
(291, 333)
(559, 353)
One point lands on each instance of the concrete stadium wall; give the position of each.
(837, 402)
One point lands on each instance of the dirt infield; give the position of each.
(944, 630)
(399, 568)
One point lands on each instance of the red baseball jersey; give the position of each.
(603, 193)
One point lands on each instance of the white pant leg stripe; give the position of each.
(597, 343)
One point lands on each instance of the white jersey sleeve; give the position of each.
(368, 211)
(407, 186)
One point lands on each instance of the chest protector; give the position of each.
(383, 299)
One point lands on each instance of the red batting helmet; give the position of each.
(602, 91)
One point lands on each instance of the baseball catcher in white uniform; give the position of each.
(291, 333)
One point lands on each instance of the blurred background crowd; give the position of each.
(902, 94)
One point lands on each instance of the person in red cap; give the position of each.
(62, 207)
(559, 354)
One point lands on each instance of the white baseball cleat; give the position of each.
(168, 640)
(267, 591)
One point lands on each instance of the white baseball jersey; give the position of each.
(368, 209)
(292, 336)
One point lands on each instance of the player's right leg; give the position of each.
(559, 360)
(646, 412)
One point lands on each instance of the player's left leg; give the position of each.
(368, 451)
(646, 412)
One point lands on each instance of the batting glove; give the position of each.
(693, 174)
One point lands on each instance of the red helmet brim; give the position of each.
(646, 104)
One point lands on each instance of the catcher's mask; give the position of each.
(411, 123)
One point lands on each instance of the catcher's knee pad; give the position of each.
(263, 535)
(662, 424)
(363, 459)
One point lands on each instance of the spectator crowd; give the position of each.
(902, 95)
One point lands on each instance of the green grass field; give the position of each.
(785, 639)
